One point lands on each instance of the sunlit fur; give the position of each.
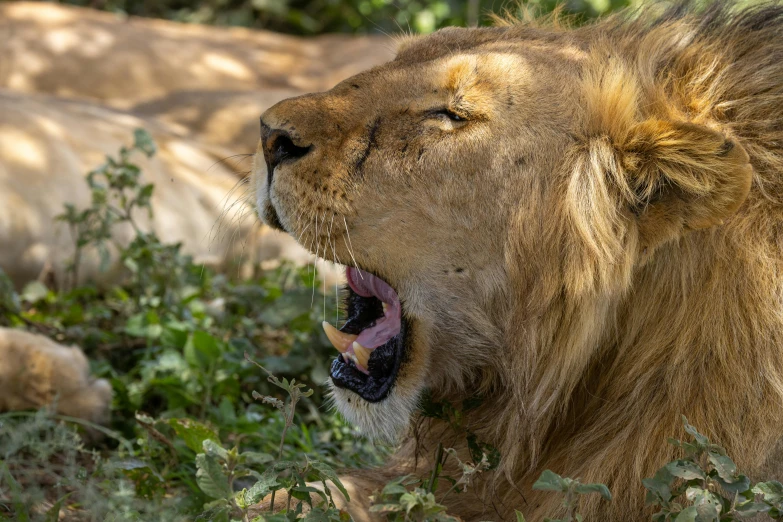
(37, 372)
(594, 248)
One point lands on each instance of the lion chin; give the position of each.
(385, 422)
(570, 236)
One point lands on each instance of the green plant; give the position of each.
(409, 499)
(40, 449)
(708, 480)
(403, 500)
(116, 191)
(291, 475)
(173, 348)
(571, 490)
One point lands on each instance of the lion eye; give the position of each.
(453, 116)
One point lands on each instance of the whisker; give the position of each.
(221, 222)
(310, 249)
(317, 249)
(223, 202)
(243, 156)
(336, 290)
(350, 246)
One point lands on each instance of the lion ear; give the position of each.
(681, 177)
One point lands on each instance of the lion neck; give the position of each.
(666, 345)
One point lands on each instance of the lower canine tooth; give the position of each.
(340, 340)
(362, 354)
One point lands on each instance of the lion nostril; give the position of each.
(278, 147)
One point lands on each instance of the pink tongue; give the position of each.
(388, 326)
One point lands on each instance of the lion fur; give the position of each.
(38, 372)
(618, 270)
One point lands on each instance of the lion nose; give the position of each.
(278, 147)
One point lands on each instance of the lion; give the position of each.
(580, 229)
(48, 145)
(38, 372)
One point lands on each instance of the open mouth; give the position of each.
(372, 340)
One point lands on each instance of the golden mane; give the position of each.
(584, 228)
(624, 335)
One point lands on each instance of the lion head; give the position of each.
(493, 193)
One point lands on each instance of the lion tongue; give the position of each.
(359, 347)
(388, 326)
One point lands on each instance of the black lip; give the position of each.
(271, 218)
(385, 361)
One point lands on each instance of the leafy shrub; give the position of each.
(171, 339)
(711, 484)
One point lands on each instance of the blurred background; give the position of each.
(309, 17)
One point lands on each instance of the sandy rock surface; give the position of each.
(76, 52)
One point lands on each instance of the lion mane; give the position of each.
(652, 288)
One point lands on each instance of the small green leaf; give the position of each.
(53, 513)
(325, 472)
(394, 490)
(594, 488)
(213, 449)
(772, 491)
(685, 470)
(201, 349)
(701, 439)
(143, 141)
(689, 514)
(740, 485)
(210, 477)
(725, 467)
(263, 486)
(550, 481)
(751, 509)
(307, 491)
(707, 504)
(520, 516)
(9, 301)
(266, 399)
(173, 337)
(658, 489)
(254, 457)
(145, 195)
(193, 433)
